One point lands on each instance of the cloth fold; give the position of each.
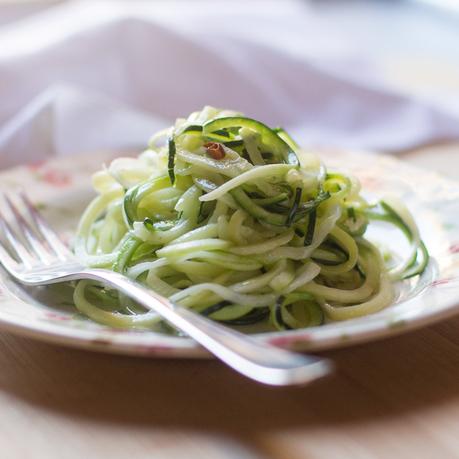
(101, 75)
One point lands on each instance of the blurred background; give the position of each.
(77, 76)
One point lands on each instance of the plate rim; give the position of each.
(368, 328)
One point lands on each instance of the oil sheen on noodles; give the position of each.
(229, 217)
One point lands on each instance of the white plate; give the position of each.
(62, 189)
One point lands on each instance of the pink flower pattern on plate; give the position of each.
(52, 176)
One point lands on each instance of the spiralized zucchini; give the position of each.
(228, 217)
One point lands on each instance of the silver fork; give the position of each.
(36, 256)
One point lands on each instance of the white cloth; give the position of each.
(98, 75)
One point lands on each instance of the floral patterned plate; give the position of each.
(61, 189)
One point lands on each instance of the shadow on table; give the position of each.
(381, 379)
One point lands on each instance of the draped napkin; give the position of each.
(89, 76)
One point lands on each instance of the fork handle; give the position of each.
(259, 361)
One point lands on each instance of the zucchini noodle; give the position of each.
(230, 218)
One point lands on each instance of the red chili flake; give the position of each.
(215, 150)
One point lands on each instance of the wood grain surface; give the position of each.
(394, 398)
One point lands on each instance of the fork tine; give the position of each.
(34, 242)
(7, 261)
(19, 248)
(59, 248)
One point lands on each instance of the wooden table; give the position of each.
(390, 399)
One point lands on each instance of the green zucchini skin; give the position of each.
(219, 216)
(295, 205)
(281, 149)
(255, 210)
(315, 314)
(171, 159)
(385, 213)
(309, 235)
(253, 317)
